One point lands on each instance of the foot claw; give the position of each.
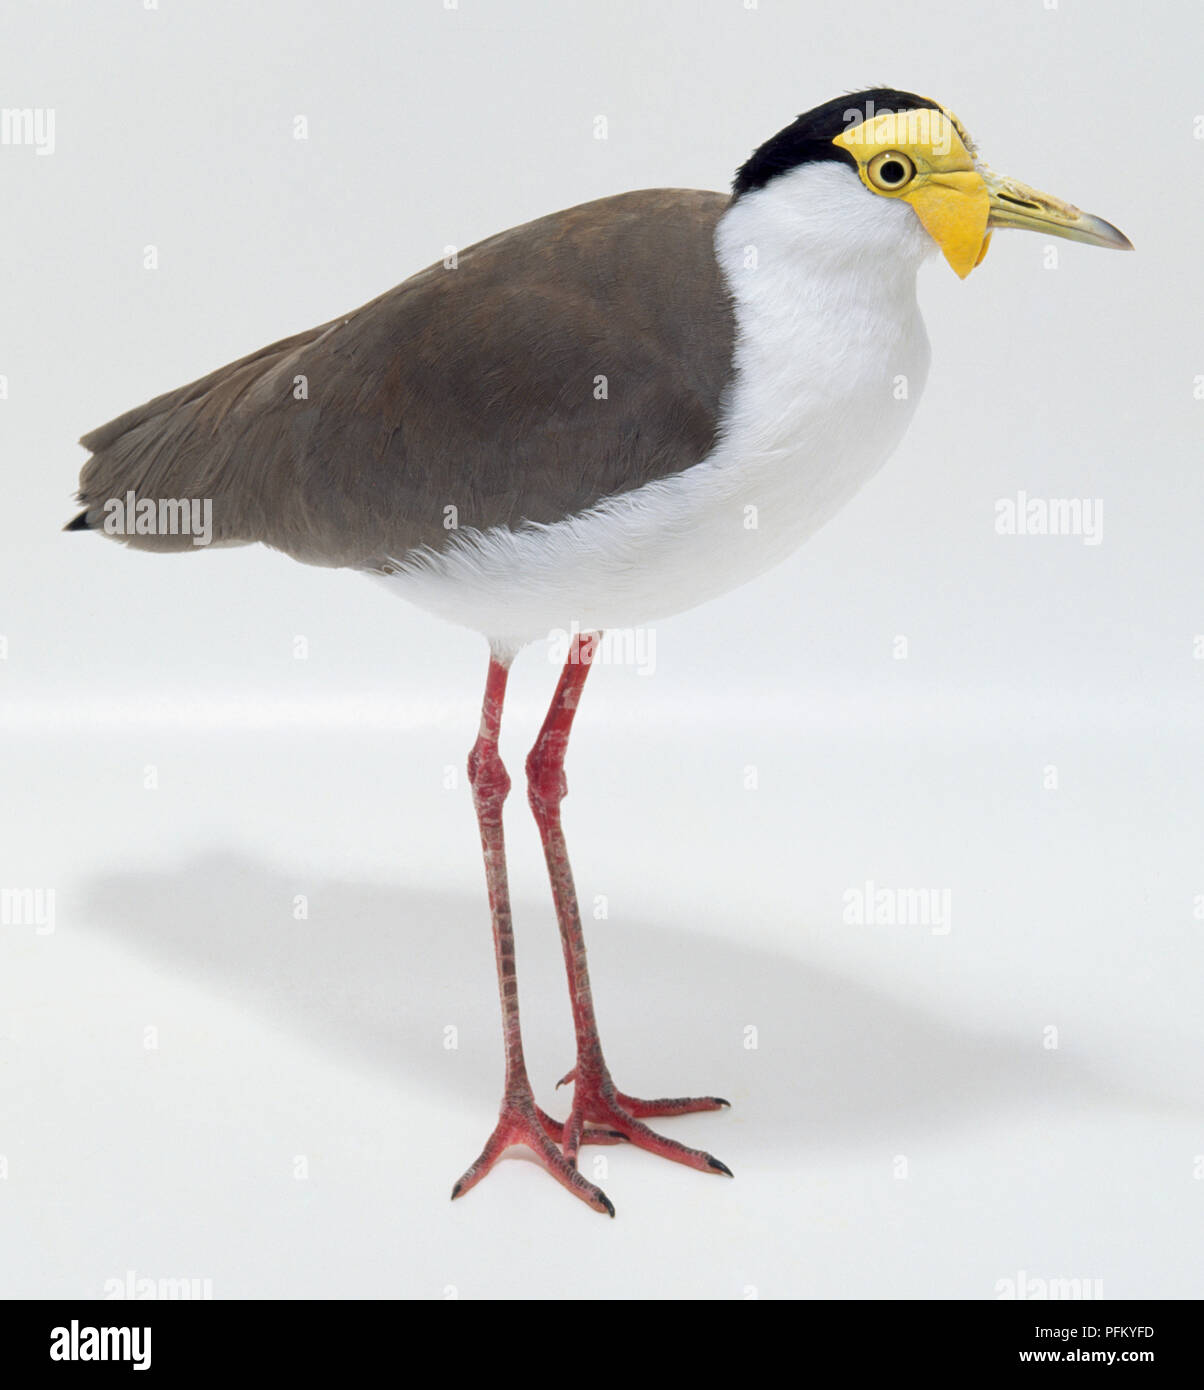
(719, 1167)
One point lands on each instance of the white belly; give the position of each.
(830, 363)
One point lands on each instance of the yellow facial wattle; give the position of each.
(946, 189)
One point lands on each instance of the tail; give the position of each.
(196, 450)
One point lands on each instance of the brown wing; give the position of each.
(560, 362)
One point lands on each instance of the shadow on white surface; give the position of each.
(380, 972)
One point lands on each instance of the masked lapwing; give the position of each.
(564, 429)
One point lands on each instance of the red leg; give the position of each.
(595, 1097)
(520, 1120)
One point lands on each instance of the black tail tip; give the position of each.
(78, 523)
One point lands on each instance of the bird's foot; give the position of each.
(521, 1121)
(597, 1100)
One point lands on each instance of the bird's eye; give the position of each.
(891, 171)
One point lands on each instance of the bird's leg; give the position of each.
(520, 1121)
(595, 1097)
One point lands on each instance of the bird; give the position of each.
(567, 428)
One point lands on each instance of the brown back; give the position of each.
(470, 388)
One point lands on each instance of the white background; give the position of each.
(1072, 908)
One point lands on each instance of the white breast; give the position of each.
(831, 356)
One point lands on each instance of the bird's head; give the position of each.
(906, 149)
